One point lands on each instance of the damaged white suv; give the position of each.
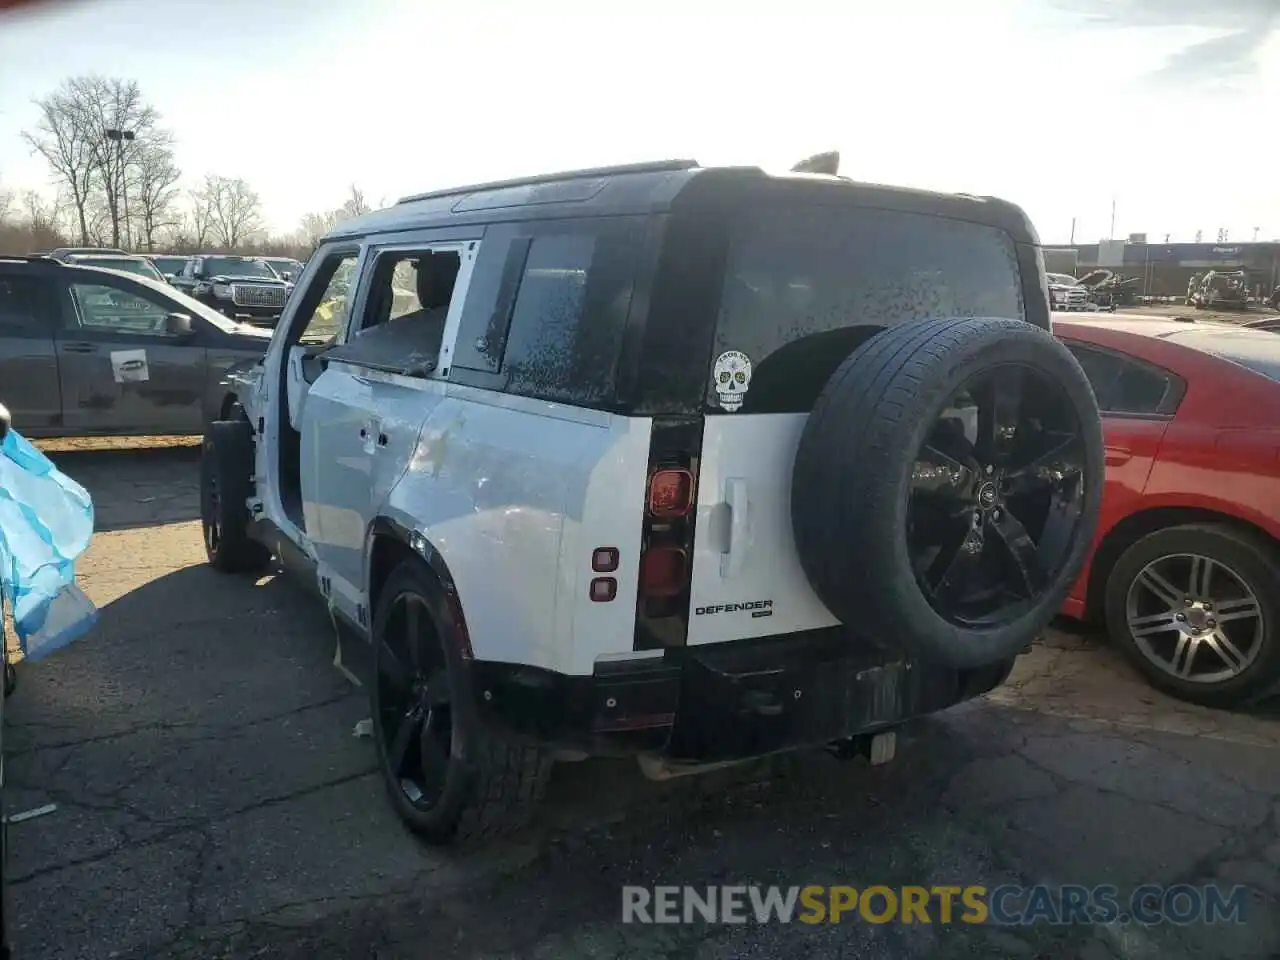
(684, 463)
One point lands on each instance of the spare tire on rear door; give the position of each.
(946, 487)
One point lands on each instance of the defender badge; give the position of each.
(732, 378)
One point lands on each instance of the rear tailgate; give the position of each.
(804, 285)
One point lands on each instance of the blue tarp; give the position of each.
(46, 521)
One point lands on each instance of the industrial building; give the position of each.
(1165, 268)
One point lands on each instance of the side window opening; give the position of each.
(547, 310)
(544, 343)
(322, 313)
(402, 327)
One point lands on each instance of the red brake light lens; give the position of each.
(670, 493)
(664, 571)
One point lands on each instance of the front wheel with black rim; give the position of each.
(226, 483)
(1197, 610)
(450, 778)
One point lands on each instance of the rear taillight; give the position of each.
(664, 561)
(664, 571)
(664, 575)
(670, 493)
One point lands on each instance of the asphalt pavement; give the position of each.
(213, 800)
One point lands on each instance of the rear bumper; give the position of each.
(726, 701)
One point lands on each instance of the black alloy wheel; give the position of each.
(414, 700)
(451, 777)
(997, 497)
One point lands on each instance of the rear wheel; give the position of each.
(946, 487)
(450, 778)
(226, 483)
(1197, 610)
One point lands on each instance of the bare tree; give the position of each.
(72, 136)
(154, 184)
(201, 218)
(109, 103)
(6, 203)
(355, 204)
(314, 226)
(235, 212)
(42, 220)
(63, 137)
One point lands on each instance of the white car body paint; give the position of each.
(515, 495)
(744, 551)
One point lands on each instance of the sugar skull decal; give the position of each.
(732, 376)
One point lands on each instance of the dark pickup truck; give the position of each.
(242, 288)
(86, 351)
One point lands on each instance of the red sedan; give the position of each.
(1185, 568)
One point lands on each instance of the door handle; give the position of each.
(80, 348)
(371, 436)
(735, 495)
(1117, 455)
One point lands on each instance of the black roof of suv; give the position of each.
(662, 185)
(662, 304)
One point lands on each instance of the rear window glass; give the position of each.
(803, 283)
(1256, 350)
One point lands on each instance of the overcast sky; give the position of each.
(1059, 105)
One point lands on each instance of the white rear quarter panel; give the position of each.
(515, 494)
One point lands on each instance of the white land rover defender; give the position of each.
(685, 463)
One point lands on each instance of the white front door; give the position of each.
(363, 416)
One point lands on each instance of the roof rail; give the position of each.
(29, 257)
(654, 166)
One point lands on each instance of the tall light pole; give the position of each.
(120, 136)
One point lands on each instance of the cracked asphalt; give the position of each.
(213, 802)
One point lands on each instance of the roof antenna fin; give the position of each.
(828, 163)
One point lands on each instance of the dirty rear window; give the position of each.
(802, 284)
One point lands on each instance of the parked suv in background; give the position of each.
(169, 265)
(1066, 292)
(243, 288)
(685, 463)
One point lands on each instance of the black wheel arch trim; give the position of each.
(417, 544)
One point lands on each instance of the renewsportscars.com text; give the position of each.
(1149, 904)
